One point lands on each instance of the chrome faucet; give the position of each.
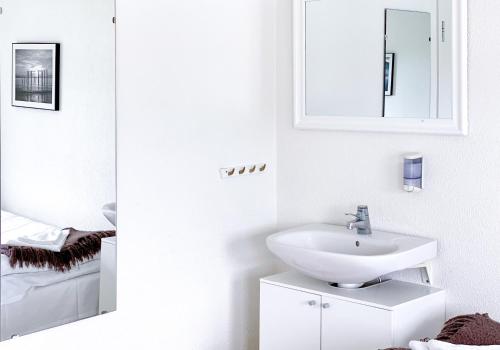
(361, 221)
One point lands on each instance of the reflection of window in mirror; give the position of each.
(408, 64)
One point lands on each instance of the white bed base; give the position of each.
(51, 306)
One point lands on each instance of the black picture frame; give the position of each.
(389, 74)
(36, 75)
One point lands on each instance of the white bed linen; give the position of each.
(19, 231)
(437, 345)
(15, 286)
(51, 306)
(34, 299)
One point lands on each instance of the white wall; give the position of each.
(408, 34)
(59, 167)
(202, 99)
(321, 175)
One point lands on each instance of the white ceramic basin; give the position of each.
(335, 254)
(109, 211)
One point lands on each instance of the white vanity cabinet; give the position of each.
(301, 313)
(107, 290)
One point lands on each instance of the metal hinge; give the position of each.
(114, 20)
(443, 31)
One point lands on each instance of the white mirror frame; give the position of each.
(457, 125)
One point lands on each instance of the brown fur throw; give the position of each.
(475, 330)
(79, 246)
(452, 326)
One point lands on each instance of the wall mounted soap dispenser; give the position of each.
(413, 172)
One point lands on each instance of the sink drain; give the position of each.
(357, 285)
(348, 285)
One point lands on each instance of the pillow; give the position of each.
(471, 330)
(437, 345)
(419, 345)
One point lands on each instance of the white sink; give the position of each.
(335, 254)
(109, 212)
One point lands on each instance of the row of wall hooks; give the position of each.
(252, 169)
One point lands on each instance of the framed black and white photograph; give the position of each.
(35, 76)
(389, 73)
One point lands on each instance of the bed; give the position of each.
(33, 299)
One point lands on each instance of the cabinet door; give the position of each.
(349, 326)
(289, 319)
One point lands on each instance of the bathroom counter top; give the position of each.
(386, 295)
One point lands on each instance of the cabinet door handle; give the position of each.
(311, 303)
(326, 306)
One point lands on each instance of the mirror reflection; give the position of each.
(379, 62)
(407, 78)
(58, 197)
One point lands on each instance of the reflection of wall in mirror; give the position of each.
(59, 167)
(343, 67)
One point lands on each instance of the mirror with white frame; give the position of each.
(381, 65)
